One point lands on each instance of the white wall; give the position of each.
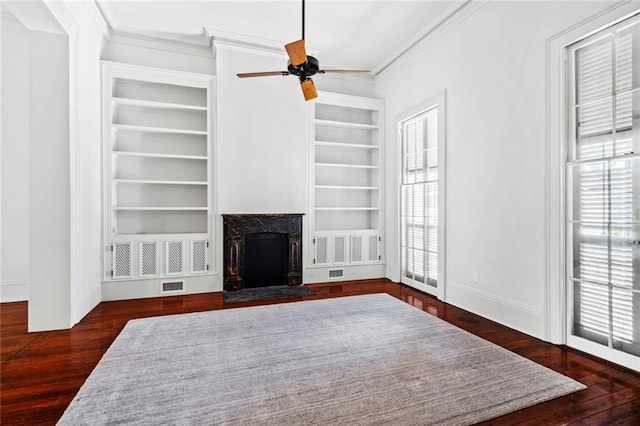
(57, 85)
(86, 151)
(49, 177)
(36, 172)
(262, 137)
(14, 167)
(492, 65)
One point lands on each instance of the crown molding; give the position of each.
(7, 18)
(99, 17)
(356, 78)
(38, 15)
(105, 11)
(150, 41)
(445, 22)
(242, 42)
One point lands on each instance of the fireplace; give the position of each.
(262, 250)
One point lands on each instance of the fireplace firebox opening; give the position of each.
(265, 259)
(262, 250)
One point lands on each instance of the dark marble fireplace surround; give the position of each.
(258, 231)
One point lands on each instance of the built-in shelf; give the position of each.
(346, 145)
(372, 188)
(351, 166)
(345, 124)
(346, 180)
(151, 129)
(161, 182)
(346, 208)
(156, 175)
(160, 208)
(157, 155)
(128, 102)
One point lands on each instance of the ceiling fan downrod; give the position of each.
(302, 19)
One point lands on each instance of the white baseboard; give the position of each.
(349, 273)
(142, 289)
(14, 291)
(520, 316)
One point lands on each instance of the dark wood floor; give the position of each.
(41, 372)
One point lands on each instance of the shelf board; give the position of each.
(324, 231)
(142, 236)
(352, 166)
(161, 182)
(157, 155)
(346, 187)
(345, 145)
(347, 208)
(155, 104)
(160, 208)
(345, 124)
(149, 129)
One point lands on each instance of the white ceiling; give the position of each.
(361, 34)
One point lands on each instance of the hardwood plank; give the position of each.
(41, 372)
(625, 414)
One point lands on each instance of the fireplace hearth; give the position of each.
(262, 250)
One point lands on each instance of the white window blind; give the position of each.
(604, 189)
(419, 204)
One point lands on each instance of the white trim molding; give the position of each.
(14, 291)
(555, 153)
(151, 41)
(8, 19)
(512, 313)
(107, 15)
(250, 44)
(437, 100)
(445, 22)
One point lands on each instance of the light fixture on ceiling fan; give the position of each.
(302, 66)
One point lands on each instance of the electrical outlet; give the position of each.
(474, 278)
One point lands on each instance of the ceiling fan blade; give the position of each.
(297, 53)
(308, 90)
(343, 71)
(262, 74)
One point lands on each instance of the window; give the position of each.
(603, 187)
(419, 204)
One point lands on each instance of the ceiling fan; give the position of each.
(302, 66)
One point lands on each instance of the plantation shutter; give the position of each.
(605, 176)
(419, 204)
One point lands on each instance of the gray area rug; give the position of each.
(266, 293)
(352, 360)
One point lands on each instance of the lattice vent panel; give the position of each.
(339, 252)
(198, 256)
(148, 259)
(374, 252)
(174, 264)
(121, 260)
(356, 249)
(321, 250)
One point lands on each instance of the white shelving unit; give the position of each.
(157, 171)
(346, 201)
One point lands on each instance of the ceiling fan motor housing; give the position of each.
(305, 70)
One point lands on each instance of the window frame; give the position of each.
(569, 162)
(438, 100)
